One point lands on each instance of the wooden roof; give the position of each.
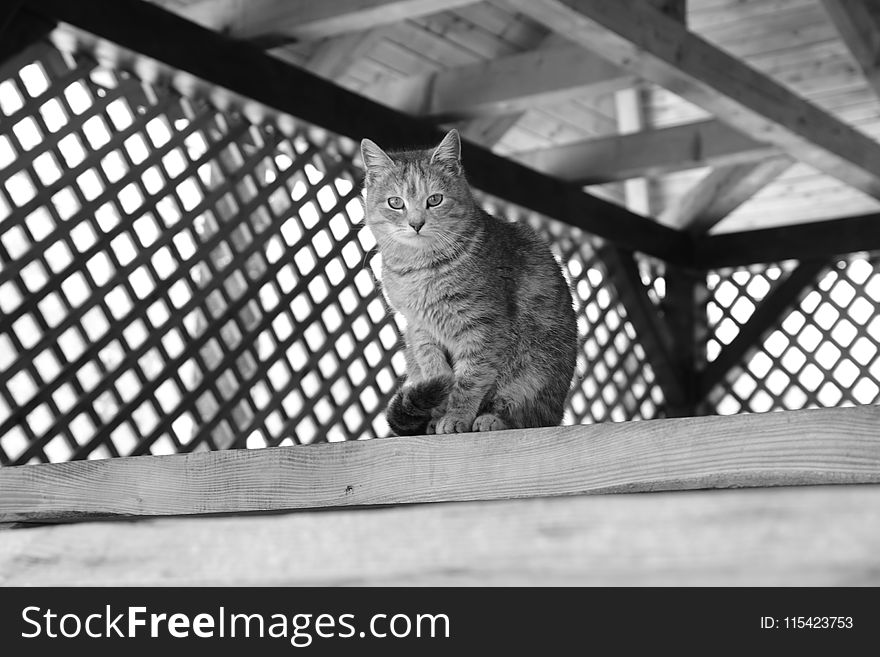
(718, 149)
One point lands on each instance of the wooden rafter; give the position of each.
(811, 240)
(490, 129)
(720, 192)
(504, 85)
(307, 19)
(858, 22)
(726, 188)
(646, 42)
(648, 152)
(334, 57)
(249, 72)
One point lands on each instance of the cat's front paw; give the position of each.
(489, 422)
(454, 423)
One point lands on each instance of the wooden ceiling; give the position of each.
(723, 116)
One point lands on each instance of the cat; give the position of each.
(491, 335)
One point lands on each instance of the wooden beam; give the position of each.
(792, 448)
(720, 192)
(487, 131)
(335, 56)
(765, 318)
(683, 310)
(19, 29)
(858, 22)
(798, 241)
(504, 85)
(651, 329)
(648, 152)
(263, 82)
(307, 19)
(823, 536)
(632, 117)
(646, 42)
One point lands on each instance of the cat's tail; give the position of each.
(409, 410)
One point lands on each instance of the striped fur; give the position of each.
(489, 313)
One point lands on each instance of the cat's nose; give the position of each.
(417, 224)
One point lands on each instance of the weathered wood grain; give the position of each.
(787, 448)
(648, 152)
(720, 192)
(512, 83)
(816, 536)
(642, 40)
(858, 22)
(306, 18)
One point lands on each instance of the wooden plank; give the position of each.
(488, 130)
(306, 19)
(698, 538)
(822, 238)
(790, 448)
(504, 85)
(766, 317)
(858, 22)
(642, 40)
(335, 56)
(648, 153)
(720, 192)
(632, 116)
(266, 81)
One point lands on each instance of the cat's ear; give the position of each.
(449, 150)
(375, 159)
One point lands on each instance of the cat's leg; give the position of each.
(493, 415)
(527, 401)
(425, 357)
(426, 360)
(474, 377)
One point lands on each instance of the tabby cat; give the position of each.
(491, 337)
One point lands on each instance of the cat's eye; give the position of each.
(395, 202)
(434, 200)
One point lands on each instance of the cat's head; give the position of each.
(417, 198)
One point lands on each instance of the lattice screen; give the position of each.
(823, 352)
(175, 278)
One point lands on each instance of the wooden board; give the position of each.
(308, 19)
(789, 448)
(648, 152)
(810, 536)
(504, 84)
(645, 42)
(858, 22)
